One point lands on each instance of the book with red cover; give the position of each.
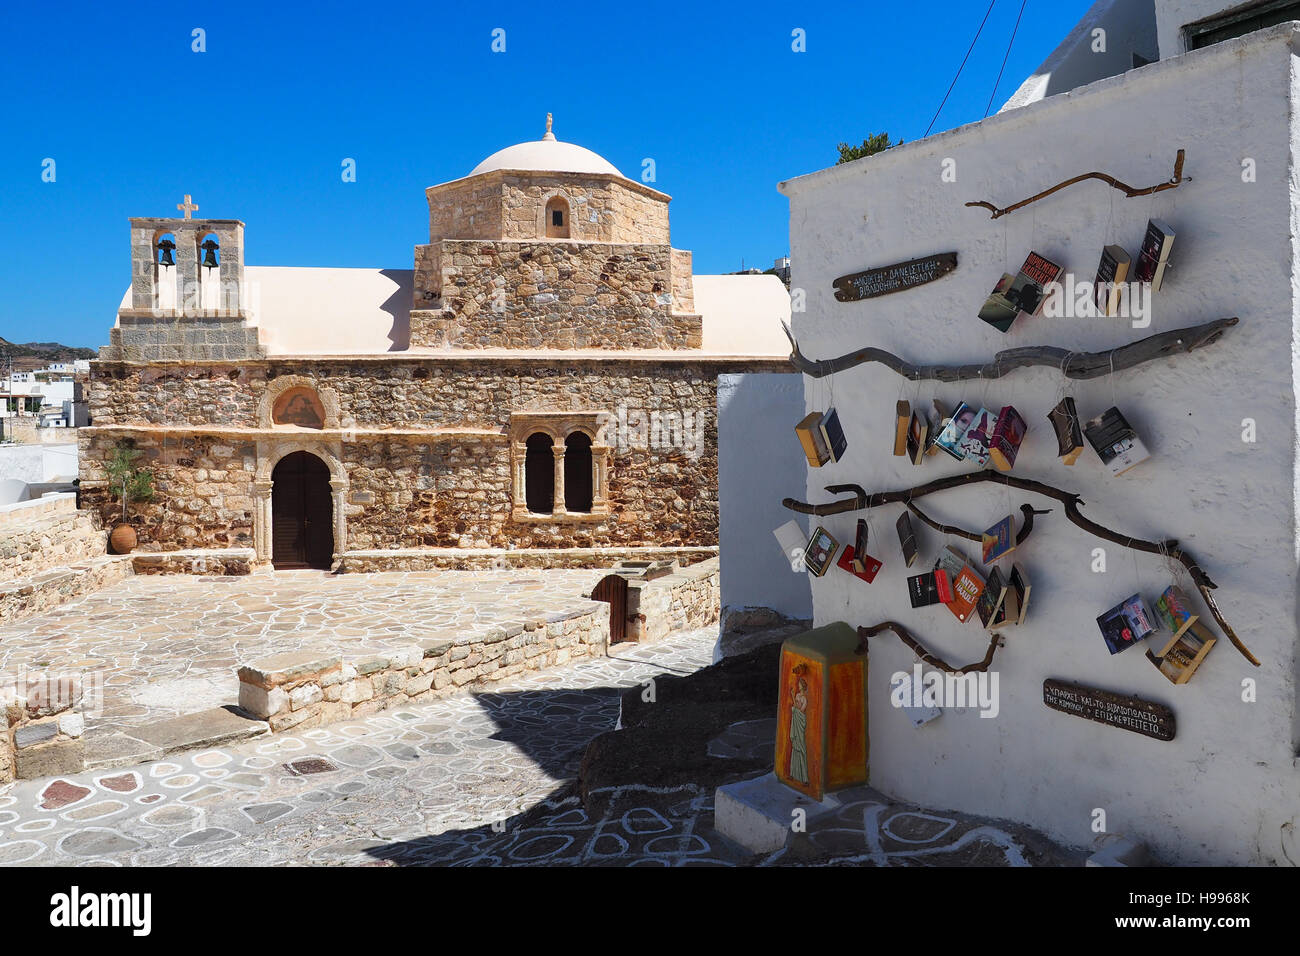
(967, 589)
(1008, 433)
(871, 566)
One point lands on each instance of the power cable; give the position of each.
(960, 68)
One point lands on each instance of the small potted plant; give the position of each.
(130, 484)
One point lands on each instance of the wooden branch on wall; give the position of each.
(906, 637)
(1074, 365)
(1130, 192)
(1072, 503)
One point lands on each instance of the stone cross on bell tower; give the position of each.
(187, 207)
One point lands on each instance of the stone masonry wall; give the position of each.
(502, 205)
(203, 488)
(302, 690)
(403, 491)
(47, 533)
(40, 734)
(551, 294)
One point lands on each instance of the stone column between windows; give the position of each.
(557, 501)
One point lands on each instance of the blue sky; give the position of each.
(257, 126)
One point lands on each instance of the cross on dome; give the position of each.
(549, 137)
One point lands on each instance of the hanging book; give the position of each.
(950, 561)
(923, 589)
(860, 546)
(937, 423)
(1000, 540)
(906, 538)
(1183, 654)
(998, 309)
(1125, 624)
(811, 440)
(1154, 257)
(1008, 434)
(1018, 584)
(1175, 611)
(992, 599)
(966, 590)
(1111, 273)
(975, 440)
(1069, 437)
(1115, 441)
(952, 433)
(833, 434)
(812, 553)
(902, 419)
(821, 549)
(917, 431)
(849, 562)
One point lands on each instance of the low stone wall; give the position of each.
(688, 598)
(42, 728)
(460, 559)
(47, 532)
(49, 589)
(305, 689)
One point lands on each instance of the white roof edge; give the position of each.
(1282, 33)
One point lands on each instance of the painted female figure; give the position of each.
(799, 728)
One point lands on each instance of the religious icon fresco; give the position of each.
(299, 406)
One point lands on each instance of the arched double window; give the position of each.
(559, 465)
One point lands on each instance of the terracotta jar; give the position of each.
(123, 539)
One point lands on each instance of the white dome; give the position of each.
(548, 155)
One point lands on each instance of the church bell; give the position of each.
(165, 247)
(210, 254)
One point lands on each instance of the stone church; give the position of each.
(542, 381)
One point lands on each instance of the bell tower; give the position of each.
(189, 300)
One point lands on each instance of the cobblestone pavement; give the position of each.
(164, 645)
(353, 792)
(448, 783)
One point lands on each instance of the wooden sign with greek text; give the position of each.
(895, 278)
(1116, 710)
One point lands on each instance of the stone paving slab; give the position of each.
(167, 646)
(350, 793)
(479, 779)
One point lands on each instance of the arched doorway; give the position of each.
(302, 525)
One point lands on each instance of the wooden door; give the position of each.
(302, 527)
(613, 590)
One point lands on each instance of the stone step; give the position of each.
(201, 730)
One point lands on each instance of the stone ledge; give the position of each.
(473, 559)
(228, 562)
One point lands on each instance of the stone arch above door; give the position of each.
(326, 405)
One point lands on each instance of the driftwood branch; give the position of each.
(1026, 524)
(1074, 365)
(906, 637)
(1072, 503)
(1130, 192)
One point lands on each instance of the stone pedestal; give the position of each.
(760, 814)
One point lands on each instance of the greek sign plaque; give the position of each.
(1117, 710)
(895, 278)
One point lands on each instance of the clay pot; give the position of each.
(123, 539)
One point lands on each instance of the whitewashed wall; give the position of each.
(1226, 790)
(756, 416)
(1173, 15)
